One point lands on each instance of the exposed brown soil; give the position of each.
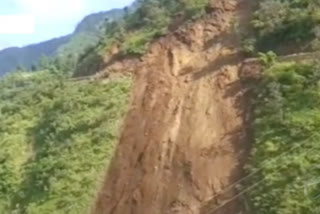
(186, 136)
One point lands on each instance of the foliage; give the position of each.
(132, 28)
(294, 21)
(248, 46)
(151, 19)
(27, 56)
(284, 164)
(56, 139)
(267, 59)
(89, 63)
(137, 42)
(152, 14)
(195, 8)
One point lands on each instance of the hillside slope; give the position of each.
(87, 33)
(57, 138)
(186, 137)
(10, 58)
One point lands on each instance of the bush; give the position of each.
(267, 59)
(137, 43)
(284, 163)
(57, 138)
(89, 64)
(195, 8)
(248, 46)
(152, 19)
(294, 21)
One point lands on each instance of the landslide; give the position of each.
(186, 137)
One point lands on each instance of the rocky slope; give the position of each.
(186, 136)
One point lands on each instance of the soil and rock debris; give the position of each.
(186, 137)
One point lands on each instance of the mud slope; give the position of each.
(185, 138)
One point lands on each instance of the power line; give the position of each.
(228, 188)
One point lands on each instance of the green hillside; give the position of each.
(57, 135)
(284, 164)
(133, 33)
(86, 34)
(57, 138)
(11, 58)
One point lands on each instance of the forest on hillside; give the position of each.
(58, 136)
(284, 164)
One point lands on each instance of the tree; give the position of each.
(34, 67)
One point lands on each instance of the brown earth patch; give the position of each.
(186, 137)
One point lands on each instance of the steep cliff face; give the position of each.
(186, 137)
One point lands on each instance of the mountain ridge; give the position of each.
(27, 56)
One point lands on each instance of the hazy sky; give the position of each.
(53, 18)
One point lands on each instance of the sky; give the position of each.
(41, 20)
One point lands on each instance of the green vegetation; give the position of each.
(267, 59)
(87, 33)
(137, 42)
(57, 138)
(131, 29)
(133, 33)
(152, 19)
(284, 164)
(285, 21)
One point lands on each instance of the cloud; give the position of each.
(52, 10)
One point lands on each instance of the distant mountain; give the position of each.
(86, 33)
(90, 23)
(10, 58)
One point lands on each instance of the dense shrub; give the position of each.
(152, 19)
(278, 21)
(194, 8)
(56, 140)
(284, 166)
(137, 43)
(133, 33)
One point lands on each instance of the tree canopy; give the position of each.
(56, 139)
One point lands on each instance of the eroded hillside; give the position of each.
(185, 139)
(209, 131)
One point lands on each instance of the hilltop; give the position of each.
(86, 34)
